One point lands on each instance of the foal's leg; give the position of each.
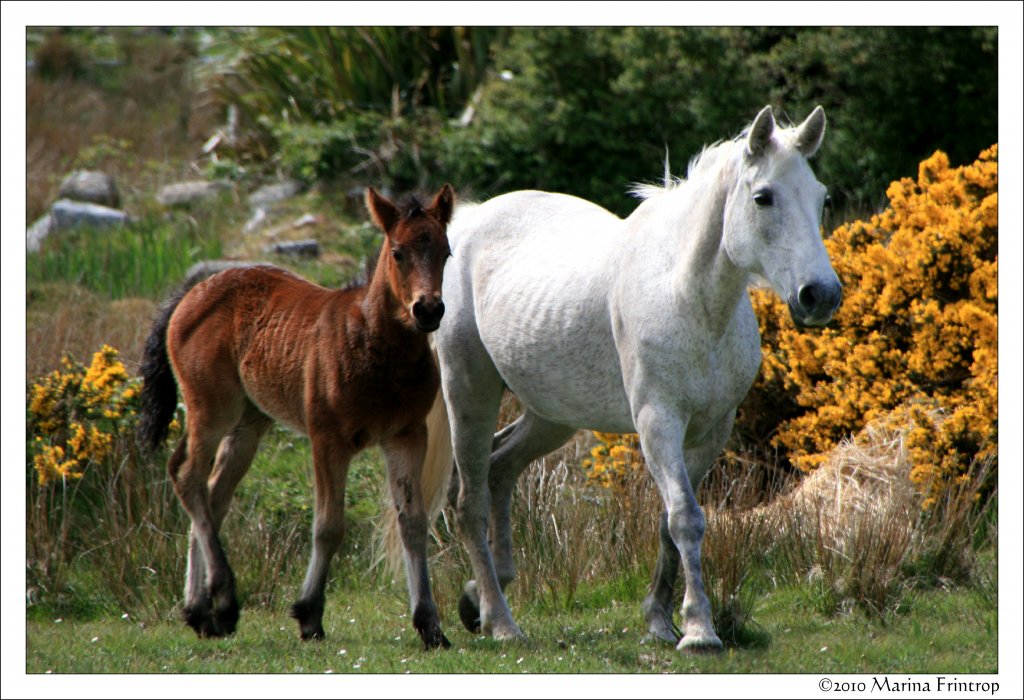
(331, 457)
(404, 454)
(661, 435)
(528, 438)
(211, 607)
(234, 458)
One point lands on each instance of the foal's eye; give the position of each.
(397, 255)
(828, 202)
(764, 198)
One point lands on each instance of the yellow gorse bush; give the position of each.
(76, 413)
(914, 342)
(913, 346)
(613, 458)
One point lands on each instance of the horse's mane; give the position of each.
(712, 159)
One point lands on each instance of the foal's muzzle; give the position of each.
(427, 313)
(815, 304)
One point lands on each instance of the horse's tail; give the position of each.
(159, 396)
(434, 479)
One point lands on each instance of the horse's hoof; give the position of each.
(435, 641)
(661, 630)
(469, 613)
(312, 635)
(707, 644)
(201, 618)
(310, 619)
(513, 634)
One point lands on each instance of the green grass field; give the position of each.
(951, 632)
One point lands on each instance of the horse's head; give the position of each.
(415, 251)
(773, 217)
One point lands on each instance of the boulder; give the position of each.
(275, 192)
(37, 233)
(309, 248)
(67, 214)
(189, 192)
(207, 268)
(91, 186)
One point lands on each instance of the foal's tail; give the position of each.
(159, 395)
(437, 472)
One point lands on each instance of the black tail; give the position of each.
(159, 387)
(159, 395)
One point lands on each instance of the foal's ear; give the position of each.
(760, 134)
(810, 134)
(382, 211)
(444, 202)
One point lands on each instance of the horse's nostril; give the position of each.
(807, 296)
(424, 311)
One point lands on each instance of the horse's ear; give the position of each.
(760, 134)
(810, 134)
(382, 211)
(444, 202)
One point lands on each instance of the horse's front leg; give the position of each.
(661, 435)
(331, 457)
(404, 454)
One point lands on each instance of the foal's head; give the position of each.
(415, 251)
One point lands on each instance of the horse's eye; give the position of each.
(397, 255)
(828, 202)
(764, 198)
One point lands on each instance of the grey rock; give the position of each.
(257, 221)
(276, 192)
(91, 186)
(309, 248)
(67, 214)
(188, 192)
(207, 268)
(37, 233)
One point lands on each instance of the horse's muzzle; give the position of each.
(427, 313)
(815, 304)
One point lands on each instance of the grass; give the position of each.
(369, 632)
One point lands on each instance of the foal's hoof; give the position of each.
(310, 621)
(469, 613)
(435, 640)
(210, 623)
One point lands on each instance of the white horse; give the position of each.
(619, 325)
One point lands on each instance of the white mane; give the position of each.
(713, 158)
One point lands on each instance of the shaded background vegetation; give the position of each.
(584, 111)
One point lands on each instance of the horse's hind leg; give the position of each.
(657, 605)
(234, 458)
(211, 607)
(404, 454)
(528, 438)
(331, 457)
